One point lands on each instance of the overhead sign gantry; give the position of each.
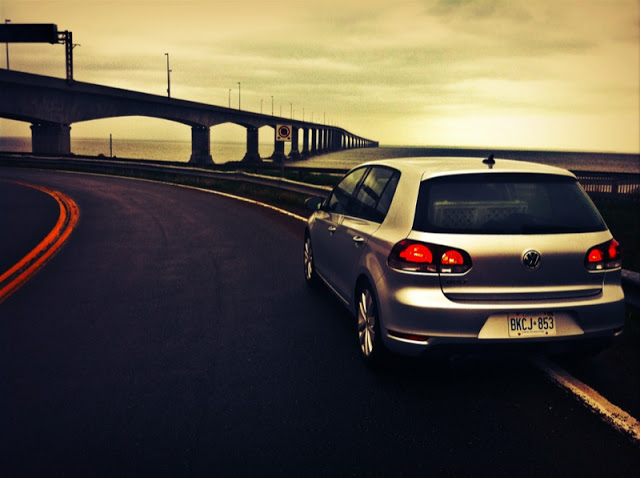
(39, 33)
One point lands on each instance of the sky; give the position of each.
(544, 74)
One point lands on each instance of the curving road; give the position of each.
(173, 334)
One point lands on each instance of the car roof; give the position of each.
(429, 167)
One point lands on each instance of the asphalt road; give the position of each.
(173, 334)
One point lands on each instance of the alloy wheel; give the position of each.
(367, 320)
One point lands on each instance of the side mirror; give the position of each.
(314, 203)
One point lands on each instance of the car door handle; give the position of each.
(332, 229)
(358, 240)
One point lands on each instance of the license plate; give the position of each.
(531, 324)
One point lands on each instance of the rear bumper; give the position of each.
(444, 346)
(415, 321)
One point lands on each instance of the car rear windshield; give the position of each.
(505, 204)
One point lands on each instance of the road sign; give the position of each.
(283, 132)
(29, 33)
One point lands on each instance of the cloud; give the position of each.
(366, 63)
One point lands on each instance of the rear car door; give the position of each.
(328, 219)
(363, 217)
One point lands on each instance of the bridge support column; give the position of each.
(50, 138)
(278, 150)
(252, 155)
(305, 142)
(295, 151)
(314, 141)
(200, 146)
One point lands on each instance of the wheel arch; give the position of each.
(361, 281)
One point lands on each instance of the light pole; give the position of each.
(272, 106)
(168, 77)
(6, 20)
(239, 96)
(229, 97)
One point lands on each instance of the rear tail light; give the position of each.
(604, 256)
(414, 256)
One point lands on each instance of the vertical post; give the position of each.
(66, 37)
(6, 20)
(168, 77)
(110, 145)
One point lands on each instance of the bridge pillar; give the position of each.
(200, 146)
(50, 138)
(252, 155)
(305, 142)
(295, 151)
(278, 151)
(314, 141)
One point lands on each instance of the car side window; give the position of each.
(375, 194)
(341, 199)
(385, 199)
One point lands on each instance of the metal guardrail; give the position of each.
(610, 185)
(601, 185)
(169, 171)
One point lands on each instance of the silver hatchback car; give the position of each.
(434, 252)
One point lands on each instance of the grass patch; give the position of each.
(288, 200)
(318, 179)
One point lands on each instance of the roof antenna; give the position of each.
(489, 161)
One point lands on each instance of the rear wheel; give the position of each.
(369, 336)
(310, 275)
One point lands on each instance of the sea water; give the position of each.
(223, 152)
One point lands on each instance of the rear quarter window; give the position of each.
(505, 204)
(374, 196)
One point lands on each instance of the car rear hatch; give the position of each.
(525, 235)
(539, 267)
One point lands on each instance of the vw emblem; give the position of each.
(531, 259)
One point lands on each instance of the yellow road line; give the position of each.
(23, 270)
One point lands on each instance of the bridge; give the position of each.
(52, 105)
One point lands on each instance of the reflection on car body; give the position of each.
(434, 252)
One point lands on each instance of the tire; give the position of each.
(368, 320)
(310, 274)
